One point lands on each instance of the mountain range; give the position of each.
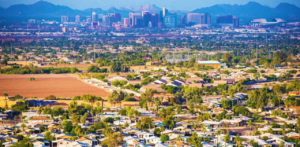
(253, 10)
(248, 11)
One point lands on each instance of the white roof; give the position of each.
(211, 122)
(209, 62)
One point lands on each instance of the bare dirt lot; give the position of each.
(60, 85)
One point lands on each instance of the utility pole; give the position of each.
(256, 47)
(94, 53)
(11, 51)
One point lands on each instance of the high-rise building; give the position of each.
(64, 19)
(106, 19)
(197, 18)
(194, 18)
(94, 17)
(236, 22)
(77, 18)
(100, 17)
(126, 22)
(205, 18)
(170, 20)
(183, 20)
(154, 20)
(147, 18)
(225, 21)
(138, 22)
(71, 18)
(117, 17)
(132, 16)
(165, 11)
(145, 12)
(31, 21)
(228, 19)
(111, 19)
(88, 19)
(162, 14)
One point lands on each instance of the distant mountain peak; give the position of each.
(41, 2)
(286, 5)
(150, 8)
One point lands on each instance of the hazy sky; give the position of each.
(171, 4)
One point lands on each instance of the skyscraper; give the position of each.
(147, 18)
(106, 19)
(111, 19)
(78, 19)
(194, 18)
(162, 14)
(228, 19)
(183, 21)
(100, 17)
(236, 22)
(126, 22)
(205, 18)
(154, 20)
(88, 19)
(117, 17)
(94, 17)
(165, 11)
(132, 16)
(64, 19)
(138, 22)
(225, 21)
(170, 20)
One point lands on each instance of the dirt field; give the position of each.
(60, 85)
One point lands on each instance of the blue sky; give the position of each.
(171, 4)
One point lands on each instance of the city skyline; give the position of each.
(171, 4)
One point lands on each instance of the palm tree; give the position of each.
(218, 132)
(250, 124)
(5, 96)
(204, 130)
(41, 108)
(136, 114)
(9, 140)
(23, 126)
(112, 138)
(148, 96)
(113, 98)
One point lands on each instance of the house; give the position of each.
(213, 124)
(195, 80)
(90, 142)
(213, 64)
(61, 143)
(155, 87)
(28, 115)
(40, 120)
(78, 144)
(198, 85)
(22, 63)
(176, 83)
(40, 142)
(132, 141)
(3, 116)
(153, 63)
(160, 81)
(119, 78)
(294, 93)
(152, 140)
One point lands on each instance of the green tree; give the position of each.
(67, 125)
(164, 137)
(148, 96)
(112, 139)
(195, 140)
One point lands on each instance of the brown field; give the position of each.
(60, 85)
